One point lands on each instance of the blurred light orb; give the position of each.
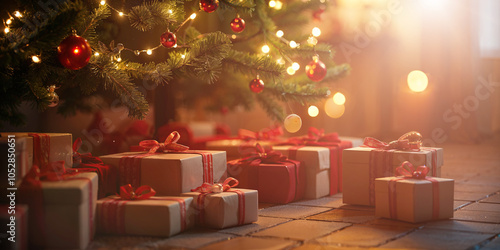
(417, 81)
(279, 5)
(272, 4)
(333, 110)
(290, 70)
(313, 111)
(265, 49)
(293, 44)
(316, 32)
(292, 123)
(279, 33)
(339, 98)
(295, 66)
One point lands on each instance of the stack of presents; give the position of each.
(63, 198)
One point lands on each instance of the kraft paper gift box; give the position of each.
(414, 200)
(160, 216)
(316, 162)
(38, 149)
(235, 148)
(168, 173)
(66, 218)
(234, 207)
(14, 226)
(362, 165)
(279, 183)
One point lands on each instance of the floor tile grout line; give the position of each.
(484, 242)
(485, 222)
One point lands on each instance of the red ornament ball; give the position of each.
(74, 52)
(316, 70)
(168, 39)
(238, 25)
(209, 6)
(256, 85)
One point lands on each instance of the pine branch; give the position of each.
(146, 16)
(251, 65)
(270, 106)
(240, 6)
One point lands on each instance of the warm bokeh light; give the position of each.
(183, 56)
(96, 54)
(35, 59)
(312, 40)
(8, 22)
(76, 51)
(120, 13)
(316, 32)
(272, 4)
(295, 66)
(293, 44)
(417, 81)
(119, 59)
(279, 5)
(265, 49)
(193, 16)
(280, 33)
(333, 110)
(313, 111)
(280, 61)
(292, 123)
(6, 30)
(290, 70)
(339, 98)
(149, 52)
(18, 14)
(103, 2)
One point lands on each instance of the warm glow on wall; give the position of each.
(333, 110)
(339, 98)
(313, 111)
(417, 81)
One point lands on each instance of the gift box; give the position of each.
(195, 134)
(316, 163)
(276, 178)
(168, 173)
(159, 216)
(233, 207)
(37, 148)
(235, 148)
(14, 226)
(362, 165)
(414, 200)
(61, 210)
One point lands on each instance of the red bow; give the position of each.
(409, 141)
(319, 135)
(256, 155)
(217, 187)
(169, 144)
(141, 193)
(408, 171)
(264, 134)
(86, 158)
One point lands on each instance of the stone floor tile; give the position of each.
(291, 211)
(344, 215)
(329, 201)
(466, 196)
(310, 246)
(302, 229)
(492, 245)
(492, 199)
(363, 236)
(479, 216)
(394, 223)
(243, 243)
(466, 226)
(437, 239)
(480, 206)
(261, 223)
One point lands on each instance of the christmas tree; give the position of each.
(57, 55)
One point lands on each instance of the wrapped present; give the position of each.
(195, 134)
(316, 163)
(61, 206)
(278, 179)
(37, 149)
(222, 205)
(376, 159)
(107, 174)
(142, 213)
(332, 141)
(414, 197)
(14, 226)
(168, 167)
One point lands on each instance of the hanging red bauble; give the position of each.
(238, 24)
(74, 52)
(209, 6)
(316, 70)
(256, 85)
(168, 39)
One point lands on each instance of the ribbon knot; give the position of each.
(255, 155)
(264, 134)
(410, 172)
(217, 187)
(169, 144)
(409, 141)
(145, 192)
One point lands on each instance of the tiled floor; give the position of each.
(327, 223)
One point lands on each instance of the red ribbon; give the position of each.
(408, 171)
(41, 149)
(255, 155)
(222, 187)
(409, 141)
(264, 134)
(169, 144)
(141, 193)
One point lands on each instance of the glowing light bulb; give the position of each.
(265, 49)
(36, 59)
(279, 5)
(280, 33)
(120, 13)
(149, 52)
(119, 59)
(312, 40)
(316, 32)
(339, 98)
(18, 14)
(6, 30)
(313, 111)
(333, 110)
(293, 44)
(96, 54)
(103, 2)
(280, 61)
(417, 81)
(290, 70)
(76, 50)
(8, 22)
(170, 11)
(192, 16)
(183, 56)
(295, 66)
(272, 4)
